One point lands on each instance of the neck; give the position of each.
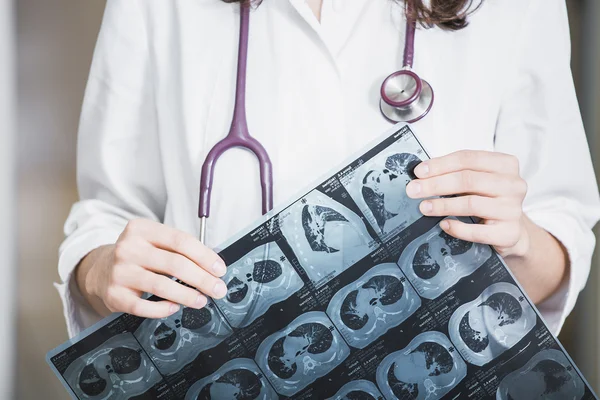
(315, 6)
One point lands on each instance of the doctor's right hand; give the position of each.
(113, 278)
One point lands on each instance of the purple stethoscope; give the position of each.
(404, 98)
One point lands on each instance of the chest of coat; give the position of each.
(309, 106)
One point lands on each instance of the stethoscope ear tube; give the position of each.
(238, 136)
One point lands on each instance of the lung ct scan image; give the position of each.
(548, 375)
(327, 237)
(436, 261)
(117, 369)
(238, 379)
(175, 341)
(492, 323)
(378, 186)
(379, 300)
(255, 282)
(304, 351)
(358, 390)
(428, 368)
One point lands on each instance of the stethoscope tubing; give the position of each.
(238, 136)
(409, 110)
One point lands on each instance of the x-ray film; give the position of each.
(236, 379)
(379, 188)
(175, 341)
(367, 308)
(428, 368)
(344, 292)
(492, 323)
(435, 261)
(358, 390)
(326, 237)
(305, 350)
(256, 281)
(117, 369)
(548, 375)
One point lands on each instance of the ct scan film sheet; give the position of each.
(348, 292)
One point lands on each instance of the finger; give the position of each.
(497, 234)
(163, 287)
(471, 206)
(129, 302)
(180, 267)
(176, 241)
(473, 182)
(483, 161)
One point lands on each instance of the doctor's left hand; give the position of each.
(488, 186)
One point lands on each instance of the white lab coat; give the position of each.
(161, 89)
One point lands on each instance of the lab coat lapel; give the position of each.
(339, 21)
(308, 16)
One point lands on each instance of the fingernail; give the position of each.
(174, 308)
(220, 290)
(413, 189)
(219, 268)
(426, 207)
(444, 225)
(422, 170)
(200, 301)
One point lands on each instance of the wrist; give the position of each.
(88, 271)
(540, 262)
(522, 248)
(89, 275)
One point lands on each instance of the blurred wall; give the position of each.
(582, 334)
(55, 42)
(7, 181)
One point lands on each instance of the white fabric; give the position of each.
(161, 91)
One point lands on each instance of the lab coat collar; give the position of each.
(338, 21)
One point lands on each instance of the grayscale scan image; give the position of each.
(346, 317)
(255, 282)
(177, 340)
(492, 323)
(304, 351)
(548, 375)
(326, 237)
(238, 379)
(436, 261)
(428, 368)
(368, 307)
(118, 369)
(379, 187)
(358, 390)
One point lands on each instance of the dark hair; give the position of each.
(447, 14)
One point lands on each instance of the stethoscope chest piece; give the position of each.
(405, 97)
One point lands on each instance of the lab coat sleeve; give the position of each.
(119, 173)
(540, 123)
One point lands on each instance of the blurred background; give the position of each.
(45, 53)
